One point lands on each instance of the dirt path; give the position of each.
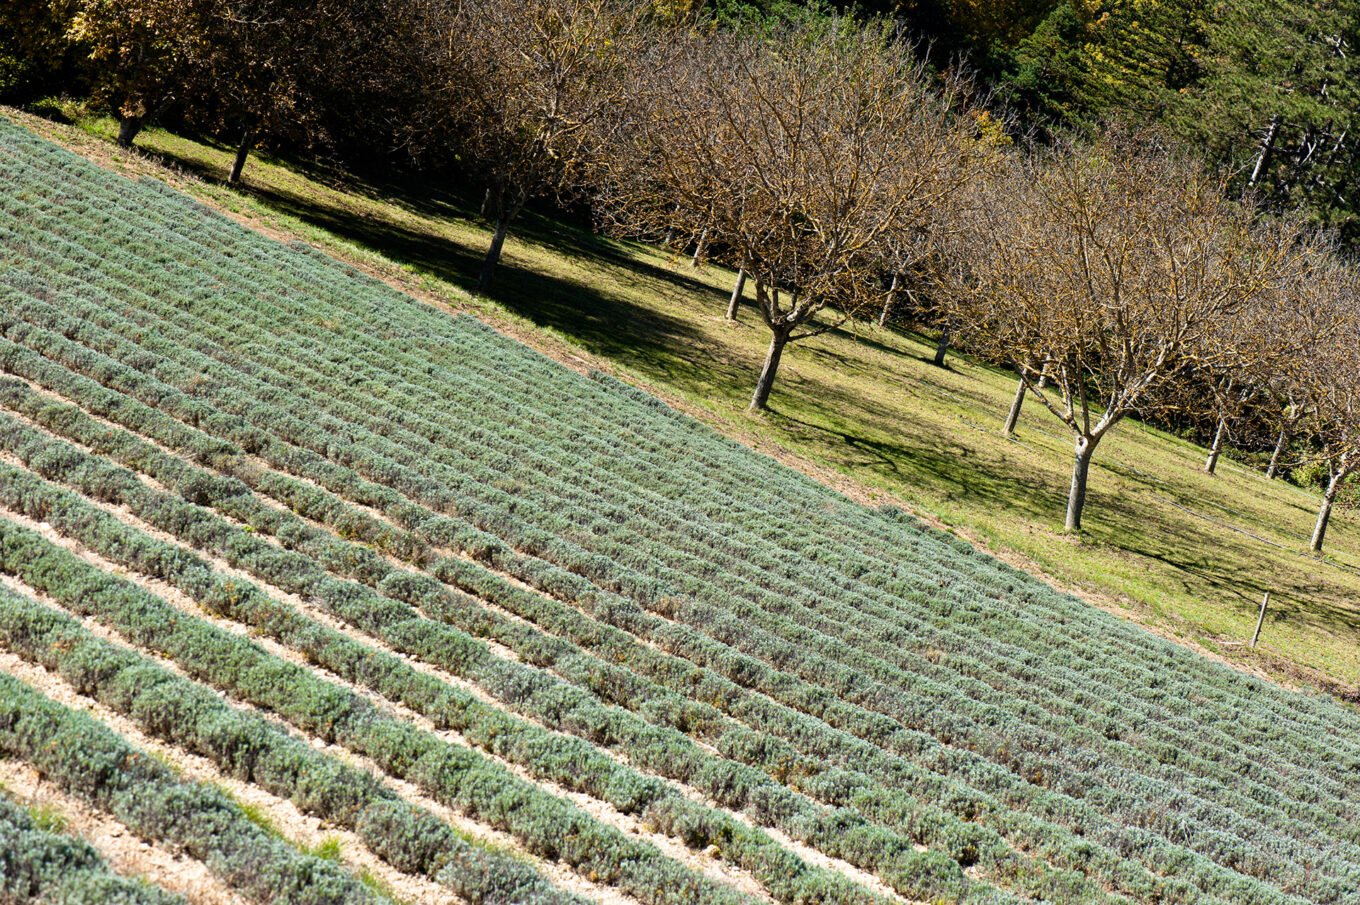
(298, 829)
(125, 854)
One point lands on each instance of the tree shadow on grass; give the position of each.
(609, 323)
(415, 195)
(1223, 516)
(940, 463)
(869, 337)
(1237, 580)
(1118, 521)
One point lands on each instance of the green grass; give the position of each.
(47, 818)
(377, 886)
(1165, 544)
(252, 812)
(328, 849)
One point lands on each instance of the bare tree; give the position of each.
(1327, 379)
(795, 154)
(1339, 437)
(905, 253)
(1017, 405)
(1262, 343)
(1289, 414)
(888, 299)
(513, 87)
(1108, 266)
(734, 303)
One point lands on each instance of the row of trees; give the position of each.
(819, 158)
(1116, 278)
(816, 161)
(244, 68)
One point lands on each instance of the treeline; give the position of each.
(1265, 89)
(839, 171)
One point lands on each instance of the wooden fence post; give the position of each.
(1256, 635)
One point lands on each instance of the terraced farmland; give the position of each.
(341, 598)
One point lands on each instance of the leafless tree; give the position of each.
(1107, 266)
(513, 87)
(1326, 380)
(738, 288)
(795, 154)
(906, 251)
(1262, 343)
(1287, 422)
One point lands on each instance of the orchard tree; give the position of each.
(1272, 341)
(1286, 421)
(1262, 344)
(138, 54)
(255, 66)
(909, 250)
(247, 68)
(797, 152)
(513, 88)
(1328, 380)
(1108, 267)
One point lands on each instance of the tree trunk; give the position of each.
(699, 249)
(1081, 469)
(887, 302)
(1211, 463)
(669, 240)
(128, 128)
(493, 253)
(1263, 156)
(1274, 467)
(942, 348)
(1013, 416)
(242, 152)
(766, 382)
(1325, 512)
(487, 198)
(735, 303)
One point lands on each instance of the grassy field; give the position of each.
(350, 600)
(1175, 549)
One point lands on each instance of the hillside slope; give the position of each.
(251, 497)
(1186, 553)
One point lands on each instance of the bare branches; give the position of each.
(1119, 265)
(1324, 382)
(801, 155)
(821, 161)
(514, 89)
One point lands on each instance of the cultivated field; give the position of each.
(332, 597)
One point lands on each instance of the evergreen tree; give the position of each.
(1277, 103)
(1090, 59)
